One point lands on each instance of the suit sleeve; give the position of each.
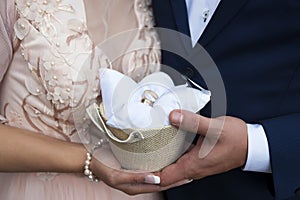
(283, 133)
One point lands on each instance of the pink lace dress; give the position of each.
(49, 50)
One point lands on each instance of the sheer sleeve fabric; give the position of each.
(6, 32)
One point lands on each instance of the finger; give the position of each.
(120, 177)
(133, 189)
(172, 174)
(179, 183)
(190, 148)
(115, 177)
(189, 121)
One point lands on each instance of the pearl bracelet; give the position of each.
(87, 172)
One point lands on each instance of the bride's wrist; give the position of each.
(73, 158)
(90, 161)
(87, 171)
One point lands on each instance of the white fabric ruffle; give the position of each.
(123, 106)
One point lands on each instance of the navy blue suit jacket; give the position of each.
(256, 47)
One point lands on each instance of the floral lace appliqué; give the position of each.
(41, 12)
(56, 46)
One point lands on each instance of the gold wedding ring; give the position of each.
(149, 97)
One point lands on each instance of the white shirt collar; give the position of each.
(199, 14)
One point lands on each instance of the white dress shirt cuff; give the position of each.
(258, 158)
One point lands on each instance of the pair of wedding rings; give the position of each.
(149, 97)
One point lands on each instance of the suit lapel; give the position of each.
(180, 16)
(226, 10)
(181, 20)
(224, 13)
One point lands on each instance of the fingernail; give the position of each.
(186, 181)
(176, 118)
(151, 179)
(189, 180)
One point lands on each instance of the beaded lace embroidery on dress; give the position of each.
(48, 78)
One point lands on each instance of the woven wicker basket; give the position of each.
(141, 149)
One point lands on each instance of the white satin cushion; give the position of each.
(122, 96)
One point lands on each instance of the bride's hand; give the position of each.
(131, 183)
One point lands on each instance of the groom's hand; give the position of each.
(222, 146)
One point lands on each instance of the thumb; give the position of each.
(189, 121)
